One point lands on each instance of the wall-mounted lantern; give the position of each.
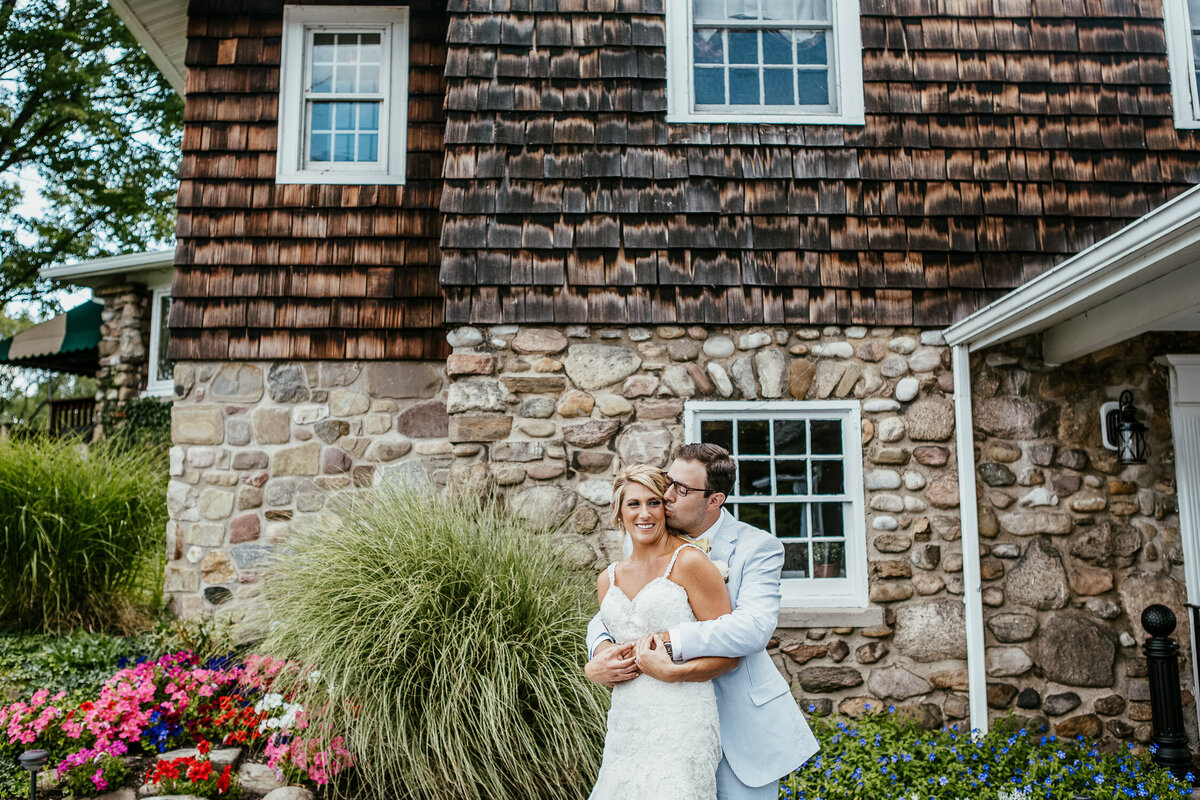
(1122, 431)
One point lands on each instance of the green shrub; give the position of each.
(886, 755)
(449, 643)
(81, 534)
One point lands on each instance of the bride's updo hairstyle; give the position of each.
(652, 478)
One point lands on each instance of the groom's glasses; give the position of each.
(682, 489)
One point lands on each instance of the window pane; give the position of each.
(323, 47)
(743, 87)
(717, 431)
(743, 9)
(810, 47)
(779, 87)
(343, 116)
(368, 116)
(322, 116)
(779, 9)
(708, 47)
(343, 147)
(1194, 12)
(318, 147)
(777, 48)
(791, 520)
(164, 365)
(368, 78)
(708, 9)
(813, 10)
(789, 437)
(814, 88)
(827, 519)
(826, 436)
(755, 514)
(828, 477)
(790, 477)
(322, 78)
(368, 147)
(344, 79)
(795, 560)
(347, 47)
(829, 560)
(743, 47)
(710, 86)
(754, 477)
(753, 437)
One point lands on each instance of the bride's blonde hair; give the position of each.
(645, 475)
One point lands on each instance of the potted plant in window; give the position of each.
(828, 558)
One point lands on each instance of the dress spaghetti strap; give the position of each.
(674, 556)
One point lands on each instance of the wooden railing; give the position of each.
(72, 416)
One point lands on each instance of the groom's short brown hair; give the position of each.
(719, 468)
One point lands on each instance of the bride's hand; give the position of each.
(652, 659)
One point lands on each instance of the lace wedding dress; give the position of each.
(663, 739)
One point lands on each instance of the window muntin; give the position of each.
(343, 95)
(764, 61)
(161, 378)
(799, 476)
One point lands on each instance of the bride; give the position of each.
(663, 739)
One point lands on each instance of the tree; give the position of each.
(84, 109)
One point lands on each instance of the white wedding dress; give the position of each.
(663, 740)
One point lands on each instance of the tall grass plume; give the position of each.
(449, 640)
(82, 531)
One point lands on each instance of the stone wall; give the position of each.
(547, 416)
(1074, 544)
(124, 345)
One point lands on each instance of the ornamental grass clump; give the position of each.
(81, 534)
(883, 754)
(444, 641)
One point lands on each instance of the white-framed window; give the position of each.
(1181, 19)
(787, 61)
(343, 95)
(161, 380)
(799, 477)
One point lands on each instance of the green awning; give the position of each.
(69, 342)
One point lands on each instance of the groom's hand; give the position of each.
(652, 657)
(611, 664)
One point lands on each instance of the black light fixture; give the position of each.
(1126, 435)
(31, 761)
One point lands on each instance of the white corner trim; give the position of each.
(1165, 238)
(964, 437)
(1181, 63)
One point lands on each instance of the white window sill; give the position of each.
(831, 617)
(341, 178)
(738, 118)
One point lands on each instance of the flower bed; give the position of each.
(883, 754)
(151, 706)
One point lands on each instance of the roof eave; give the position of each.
(1147, 248)
(160, 27)
(99, 271)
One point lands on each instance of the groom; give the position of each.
(763, 733)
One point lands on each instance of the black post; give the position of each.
(1166, 704)
(32, 761)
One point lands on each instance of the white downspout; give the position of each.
(964, 430)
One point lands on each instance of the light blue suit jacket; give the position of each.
(763, 733)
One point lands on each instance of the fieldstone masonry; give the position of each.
(124, 344)
(1073, 546)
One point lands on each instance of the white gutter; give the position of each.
(969, 521)
(110, 265)
(1153, 245)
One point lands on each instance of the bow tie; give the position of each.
(704, 542)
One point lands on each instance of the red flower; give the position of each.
(203, 746)
(223, 781)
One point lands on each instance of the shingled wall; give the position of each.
(299, 271)
(1001, 136)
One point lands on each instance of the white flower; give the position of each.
(723, 568)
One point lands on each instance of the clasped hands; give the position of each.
(613, 663)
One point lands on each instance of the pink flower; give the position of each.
(98, 780)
